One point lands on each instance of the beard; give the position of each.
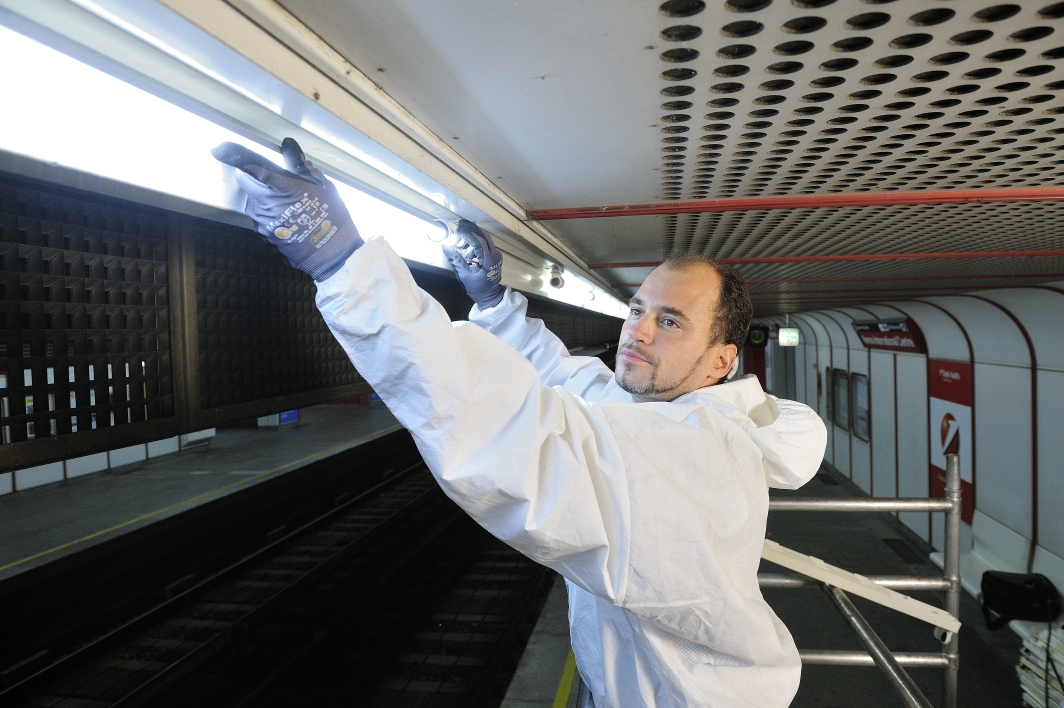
(653, 388)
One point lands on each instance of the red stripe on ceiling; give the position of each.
(812, 201)
(880, 279)
(856, 257)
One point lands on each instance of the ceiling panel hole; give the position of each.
(804, 25)
(763, 113)
(948, 58)
(731, 70)
(934, 16)
(852, 44)
(742, 28)
(677, 91)
(727, 87)
(784, 67)
(736, 51)
(769, 100)
(681, 8)
(827, 81)
(838, 64)
(971, 37)
(878, 79)
(1030, 34)
(962, 89)
(1035, 70)
(776, 85)
(800, 47)
(1005, 55)
(679, 55)
(867, 21)
(676, 118)
(980, 74)
(676, 105)
(910, 41)
(747, 5)
(1052, 12)
(681, 33)
(996, 13)
(893, 62)
(929, 76)
(678, 74)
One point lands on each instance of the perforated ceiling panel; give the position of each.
(605, 102)
(817, 96)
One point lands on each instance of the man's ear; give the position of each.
(723, 359)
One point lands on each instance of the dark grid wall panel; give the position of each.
(574, 326)
(84, 324)
(260, 335)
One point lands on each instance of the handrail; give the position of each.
(843, 504)
(899, 679)
(878, 654)
(918, 583)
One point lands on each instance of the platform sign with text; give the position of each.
(899, 334)
(949, 386)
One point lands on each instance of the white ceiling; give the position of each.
(559, 103)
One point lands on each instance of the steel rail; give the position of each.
(899, 679)
(951, 567)
(918, 583)
(848, 504)
(815, 201)
(931, 660)
(114, 637)
(878, 654)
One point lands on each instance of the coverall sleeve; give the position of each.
(509, 321)
(535, 465)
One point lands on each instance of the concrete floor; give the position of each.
(45, 523)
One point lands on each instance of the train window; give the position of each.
(830, 392)
(861, 413)
(840, 405)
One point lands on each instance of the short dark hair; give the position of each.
(734, 309)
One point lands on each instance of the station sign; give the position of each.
(949, 388)
(899, 334)
(788, 336)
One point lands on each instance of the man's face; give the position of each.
(664, 350)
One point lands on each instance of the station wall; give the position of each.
(1001, 350)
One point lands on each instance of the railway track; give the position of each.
(138, 661)
(392, 593)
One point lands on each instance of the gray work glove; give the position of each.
(298, 209)
(476, 262)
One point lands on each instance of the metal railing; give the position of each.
(877, 653)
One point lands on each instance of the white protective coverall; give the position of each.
(653, 512)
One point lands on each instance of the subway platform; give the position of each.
(870, 544)
(47, 523)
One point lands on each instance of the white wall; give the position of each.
(1018, 452)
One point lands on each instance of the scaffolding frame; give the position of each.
(890, 663)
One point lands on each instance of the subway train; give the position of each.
(882, 173)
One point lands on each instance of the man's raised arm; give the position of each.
(504, 313)
(530, 463)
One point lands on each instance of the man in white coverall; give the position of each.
(646, 490)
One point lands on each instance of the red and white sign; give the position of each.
(896, 335)
(950, 392)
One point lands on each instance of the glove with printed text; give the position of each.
(476, 262)
(298, 209)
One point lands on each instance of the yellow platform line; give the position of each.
(198, 497)
(565, 685)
